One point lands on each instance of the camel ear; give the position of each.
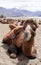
(11, 26)
(18, 29)
(36, 24)
(22, 22)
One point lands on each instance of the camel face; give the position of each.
(30, 29)
(29, 32)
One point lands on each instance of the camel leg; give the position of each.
(33, 54)
(12, 50)
(30, 52)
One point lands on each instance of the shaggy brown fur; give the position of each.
(18, 23)
(27, 47)
(13, 32)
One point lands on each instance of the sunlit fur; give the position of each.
(25, 39)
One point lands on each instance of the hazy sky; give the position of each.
(32, 5)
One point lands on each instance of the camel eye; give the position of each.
(34, 29)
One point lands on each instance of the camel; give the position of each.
(22, 37)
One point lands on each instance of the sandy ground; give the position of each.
(20, 60)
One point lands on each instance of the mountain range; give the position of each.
(14, 12)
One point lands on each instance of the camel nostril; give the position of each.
(34, 29)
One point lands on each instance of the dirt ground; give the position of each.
(20, 60)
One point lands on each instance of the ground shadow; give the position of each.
(5, 46)
(22, 60)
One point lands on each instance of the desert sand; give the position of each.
(21, 59)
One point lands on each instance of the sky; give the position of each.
(31, 5)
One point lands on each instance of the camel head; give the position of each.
(30, 27)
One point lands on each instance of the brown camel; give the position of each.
(22, 37)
